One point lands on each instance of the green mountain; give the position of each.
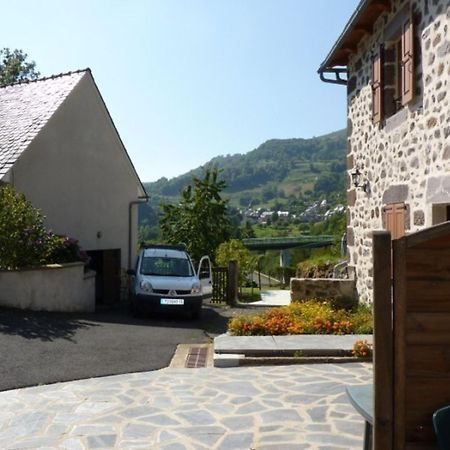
(281, 173)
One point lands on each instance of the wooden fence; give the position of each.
(225, 283)
(412, 336)
(219, 284)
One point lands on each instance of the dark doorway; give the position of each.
(106, 264)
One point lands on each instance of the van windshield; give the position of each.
(166, 267)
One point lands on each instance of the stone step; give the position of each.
(278, 346)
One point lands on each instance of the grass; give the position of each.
(247, 296)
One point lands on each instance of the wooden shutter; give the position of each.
(407, 56)
(399, 221)
(395, 219)
(377, 86)
(388, 218)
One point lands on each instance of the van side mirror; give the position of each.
(131, 272)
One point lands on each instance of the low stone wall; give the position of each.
(323, 288)
(64, 288)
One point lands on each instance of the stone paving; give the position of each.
(262, 408)
(274, 298)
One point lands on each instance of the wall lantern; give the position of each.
(357, 181)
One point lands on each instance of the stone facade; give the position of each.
(406, 158)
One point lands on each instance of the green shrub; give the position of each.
(362, 319)
(309, 317)
(24, 241)
(23, 238)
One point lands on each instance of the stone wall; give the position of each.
(63, 288)
(323, 288)
(407, 158)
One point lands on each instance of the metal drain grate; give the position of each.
(196, 357)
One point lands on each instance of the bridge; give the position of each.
(284, 243)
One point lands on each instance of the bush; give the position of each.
(23, 238)
(362, 319)
(310, 317)
(318, 268)
(65, 250)
(362, 349)
(24, 241)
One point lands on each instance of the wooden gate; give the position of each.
(219, 284)
(412, 336)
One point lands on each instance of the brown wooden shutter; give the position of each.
(400, 220)
(407, 60)
(377, 86)
(395, 219)
(388, 218)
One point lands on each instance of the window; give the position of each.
(440, 213)
(394, 219)
(166, 267)
(393, 68)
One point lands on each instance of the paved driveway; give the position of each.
(41, 348)
(262, 408)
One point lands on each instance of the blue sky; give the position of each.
(186, 80)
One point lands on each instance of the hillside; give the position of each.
(281, 173)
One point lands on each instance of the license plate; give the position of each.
(172, 301)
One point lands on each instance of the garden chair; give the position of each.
(441, 423)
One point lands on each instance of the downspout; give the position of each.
(336, 72)
(142, 200)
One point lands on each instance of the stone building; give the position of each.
(394, 58)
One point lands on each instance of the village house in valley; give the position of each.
(59, 147)
(394, 58)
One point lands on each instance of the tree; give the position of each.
(327, 184)
(269, 193)
(15, 67)
(234, 250)
(200, 220)
(247, 230)
(146, 233)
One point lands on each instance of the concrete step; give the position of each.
(281, 346)
(227, 359)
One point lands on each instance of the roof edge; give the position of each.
(349, 27)
(141, 184)
(50, 77)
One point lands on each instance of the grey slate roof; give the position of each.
(25, 108)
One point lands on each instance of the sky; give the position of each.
(187, 80)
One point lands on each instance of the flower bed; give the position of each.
(309, 317)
